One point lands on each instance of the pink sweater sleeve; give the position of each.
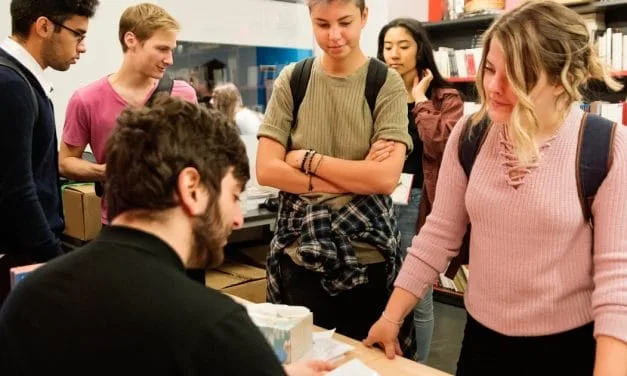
(441, 236)
(609, 299)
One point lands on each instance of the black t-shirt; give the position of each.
(413, 163)
(123, 305)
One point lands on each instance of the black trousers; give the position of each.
(351, 313)
(486, 352)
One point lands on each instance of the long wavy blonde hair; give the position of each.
(540, 36)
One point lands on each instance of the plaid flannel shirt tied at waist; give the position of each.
(326, 238)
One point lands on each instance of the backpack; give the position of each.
(11, 65)
(375, 78)
(594, 158)
(164, 86)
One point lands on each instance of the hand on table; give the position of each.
(308, 368)
(385, 334)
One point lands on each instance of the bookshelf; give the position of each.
(458, 41)
(617, 74)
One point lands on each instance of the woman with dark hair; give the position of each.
(434, 108)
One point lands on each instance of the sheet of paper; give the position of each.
(353, 368)
(400, 196)
(326, 348)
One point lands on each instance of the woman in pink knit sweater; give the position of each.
(547, 292)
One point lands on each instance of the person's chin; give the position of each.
(62, 67)
(499, 115)
(339, 53)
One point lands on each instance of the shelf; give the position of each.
(598, 6)
(472, 79)
(447, 296)
(486, 19)
(483, 20)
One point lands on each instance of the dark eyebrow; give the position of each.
(403, 41)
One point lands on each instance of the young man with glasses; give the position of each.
(148, 35)
(45, 33)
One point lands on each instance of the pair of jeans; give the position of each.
(407, 218)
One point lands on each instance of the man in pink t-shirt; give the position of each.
(148, 36)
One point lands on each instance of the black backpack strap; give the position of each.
(594, 158)
(11, 65)
(298, 84)
(470, 142)
(375, 78)
(165, 85)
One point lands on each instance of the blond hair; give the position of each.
(540, 37)
(144, 20)
(227, 99)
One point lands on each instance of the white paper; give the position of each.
(400, 196)
(353, 368)
(326, 348)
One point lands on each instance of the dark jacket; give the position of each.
(435, 119)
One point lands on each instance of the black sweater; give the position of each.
(413, 163)
(122, 305)
(30, 204)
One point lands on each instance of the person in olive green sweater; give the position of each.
(335, 248)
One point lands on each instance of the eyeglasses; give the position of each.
(79, 35)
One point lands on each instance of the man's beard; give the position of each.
(50, 51)
(209, 236)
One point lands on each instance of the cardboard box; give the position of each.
(241, 280)
(82, 211)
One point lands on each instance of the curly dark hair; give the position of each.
(25, 12)
(151, 146)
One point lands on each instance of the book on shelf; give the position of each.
(457, 63)
(616, 112)
(458, 283)
(611, 46)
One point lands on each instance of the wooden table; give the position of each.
(375, 358)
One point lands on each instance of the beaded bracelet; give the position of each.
(302, 163)
(399, 323)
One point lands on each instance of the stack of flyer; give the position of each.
(288, 329)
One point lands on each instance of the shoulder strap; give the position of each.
(594, 157)
(165, 85)
(11, 65)
(471, 141)
(375, 78)
(298, 84)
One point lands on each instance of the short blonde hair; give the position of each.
(227, 99)
(541, 37)
(144, 20)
